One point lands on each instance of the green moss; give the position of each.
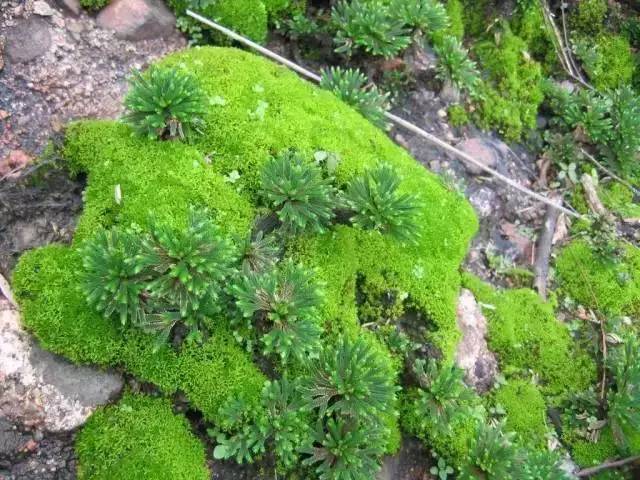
(512, 92)
(476, 17)
(605, 286)
(166, 177)
(530, 25)
(139, 438)
(619, 199)
(525, 334)
(248, 17)
(526, 411)
(457, 115)
(588, 454)
(588, 17)
(94, 4)
(609, 62)
(456, 18)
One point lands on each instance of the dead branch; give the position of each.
(591, 195)
(604, 169)
(587, 472)
(543, 249)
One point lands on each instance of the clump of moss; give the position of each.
(525, 411)
(530, 25)
(140, 437)
(94, 4)
(512, 93)
(588, 454)
(588, 18)
(457, 115)
(609, 61)
(612, 288)
(619, 199)
(525, 334)
(456, 18)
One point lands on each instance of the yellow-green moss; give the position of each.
(611, 288)
(139, 438)
(457, 115)
(526, 411)
(525, 334)
(610, 62)
(619, 199)
(587, 18)
(588, 454)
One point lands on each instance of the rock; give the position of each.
(70, 6)
(450, 93)
(11, 440)
(473, 354)
(2, 43)
(483, 200)
(13, 163)
(42, 8)
(485, 151)
(137, 19)
(411, 462)
(41, 390)
(27, 40)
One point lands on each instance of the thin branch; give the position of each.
(604, 169)
(395, 119)
(543, 250)
(587, 472)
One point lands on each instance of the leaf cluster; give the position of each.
(351, 87)
(164, 103)
(455, 66)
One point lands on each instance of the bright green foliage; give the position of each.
(349, 380)
(345, 451)
(541, 465)
(259, 252)
(287, 299)
(455, 11)
(513, 93)
(625, 118)
(140, 437)
(113, 283)
(164, 103)
(297, 192)
(492, 454)
(588, 454)
(624, 401)
(619, 199)
(369, 25)
(526, 335)
(611, 288)
(608, 61)
(94, 4)
(350, 86)
(280, 422)
(525, 409)
(442, 397)
(378, 205)
(455, 66)
(529, 24)
(457, 115)
(247, 17)
(427, 16)
(588, 17)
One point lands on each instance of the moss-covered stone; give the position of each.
(609, 287)
(138, 438)
(525, 334)
(525, 409)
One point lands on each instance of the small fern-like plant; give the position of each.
(297, 192)
(284, 302)
(377, 204)
(443, 396)
(164, 103)
(492, 454)
(455, 66)
(112, 280)
(369, 25)
(350, 381)
(259, 252)
(351, 87)
(427, 16)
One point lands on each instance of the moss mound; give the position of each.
(139, 438)
(167, 177)
(525, 334)
(612, 288)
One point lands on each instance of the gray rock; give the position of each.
(42, 390)
(473, 354)
(137, 19)
(484, 201)
(42, 8)
(486, 151)
(27, 40)
(11, 440)
(70, 6)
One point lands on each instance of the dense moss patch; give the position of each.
(139, 438)
(610, 287)
(255, 109)
(525, 334)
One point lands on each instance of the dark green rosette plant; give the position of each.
(351, 87)
(492, 454)
(455, 66)
(377, 204)
(297, 192)
(165, 103)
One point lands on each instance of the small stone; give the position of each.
(450, 93)
(71, 6)
(482, 150)
(42, 8)
(137, 19)
(483, 200)
(442, 113)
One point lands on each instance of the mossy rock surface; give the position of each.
(139, 438)
(165, 178)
